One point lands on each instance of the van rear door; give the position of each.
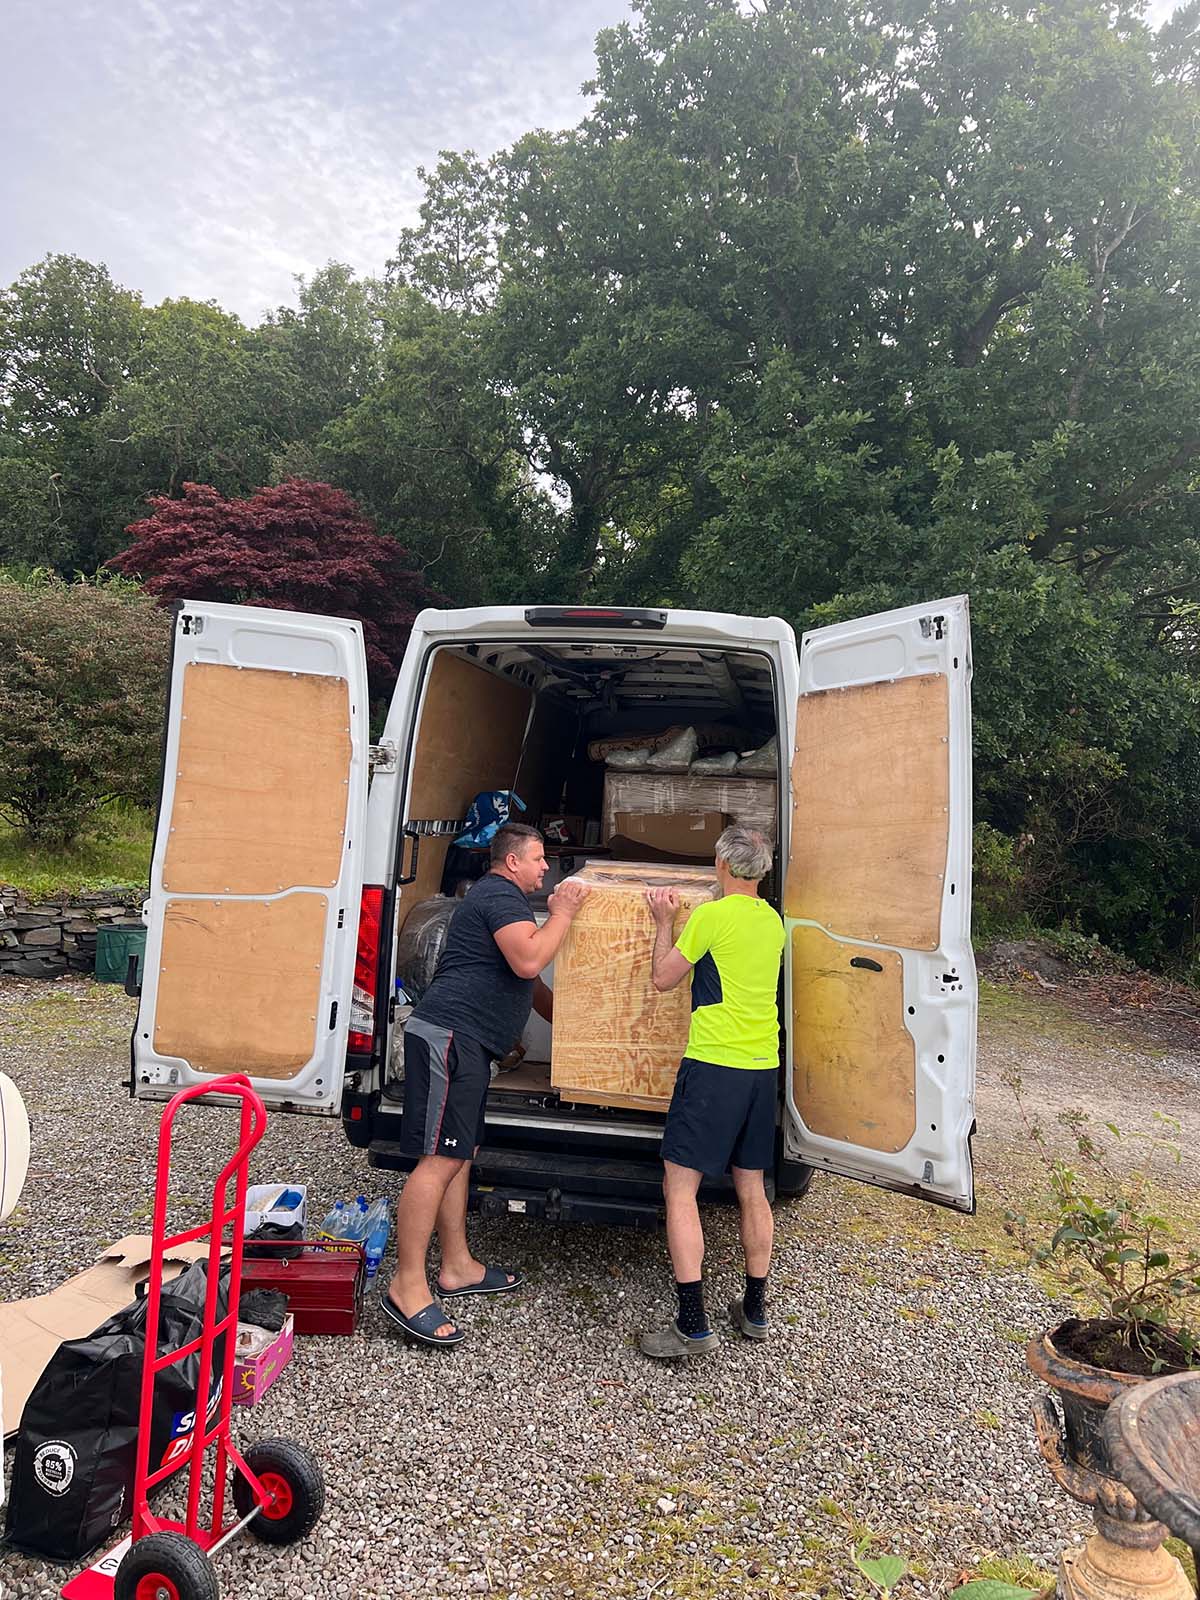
(256, 877)
(880, 978)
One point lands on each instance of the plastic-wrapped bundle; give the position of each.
(715, 766)
(763, 762)
(676, 756)
(628, 760)
(422, 940)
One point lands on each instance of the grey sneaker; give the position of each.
(668, 1344)
(751, 1330)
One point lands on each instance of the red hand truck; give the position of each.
(278, 1490)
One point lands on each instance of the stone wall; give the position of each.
(47, 938)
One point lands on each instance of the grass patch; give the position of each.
(100, 1015)
(1024, 1574)
(1010, 1011)
(113, 852)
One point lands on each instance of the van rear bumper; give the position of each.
(558, 1186)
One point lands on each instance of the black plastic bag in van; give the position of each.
(72, 1480)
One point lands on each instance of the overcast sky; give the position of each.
(213, 148)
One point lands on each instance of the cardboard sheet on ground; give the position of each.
(32, 1330)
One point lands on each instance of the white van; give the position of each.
(290, 851)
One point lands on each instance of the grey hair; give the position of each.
(745, 851)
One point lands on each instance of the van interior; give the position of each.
(547, 720)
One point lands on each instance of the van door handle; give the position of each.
(409, 833)
(865, 961)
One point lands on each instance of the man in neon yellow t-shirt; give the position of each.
(722, 1114)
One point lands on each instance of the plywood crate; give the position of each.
(617, 1041)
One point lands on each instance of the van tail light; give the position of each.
(366, 970)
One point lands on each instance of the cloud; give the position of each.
(213, 148)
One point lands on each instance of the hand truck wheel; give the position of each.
(292, 1476)
(165, 1566)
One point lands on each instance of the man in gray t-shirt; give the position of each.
(475, 1008)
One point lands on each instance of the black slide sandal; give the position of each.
(423, 1326)
(494, 1281)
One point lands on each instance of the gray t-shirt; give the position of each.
(474, 990)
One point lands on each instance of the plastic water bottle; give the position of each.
(357, 1222)
(334, 1225)
(377, 1237)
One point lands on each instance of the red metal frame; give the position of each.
(97, 1582)
(253, 1126)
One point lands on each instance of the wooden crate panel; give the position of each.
(238, 990)
(261, 784)
(854, 1063)
(617, 1041)
(870, 810)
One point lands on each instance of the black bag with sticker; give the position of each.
(72, 1481)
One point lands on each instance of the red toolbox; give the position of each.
(324, 1287)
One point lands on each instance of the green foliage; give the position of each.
(993, 1589)
(1084, 951)
(81, 673)
(1110, 1243)
(997, 885)
(883, 1573)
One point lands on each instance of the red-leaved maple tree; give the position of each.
(296, 546)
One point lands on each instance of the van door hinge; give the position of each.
(383, 758)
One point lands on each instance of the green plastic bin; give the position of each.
(114, 946)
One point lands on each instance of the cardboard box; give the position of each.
(680, 833)
(254, 1375)
(616, 1040)
(32, 1330)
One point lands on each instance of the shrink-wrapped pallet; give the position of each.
(617, 1041)
(752, 801)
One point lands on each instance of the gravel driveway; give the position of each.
(546, 1457)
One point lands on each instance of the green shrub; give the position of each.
(998, 890)
(81, 687)
(1084, 951)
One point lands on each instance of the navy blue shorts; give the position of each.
(721, 1117)
(446, 1081)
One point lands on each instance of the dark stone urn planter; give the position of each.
(1124, 1558)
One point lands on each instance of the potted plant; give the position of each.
(1135, 1282)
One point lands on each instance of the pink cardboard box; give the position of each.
(253, 1377)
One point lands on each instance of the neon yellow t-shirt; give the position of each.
(735, 945)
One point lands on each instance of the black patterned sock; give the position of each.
(692, 1318)
(755, 1302)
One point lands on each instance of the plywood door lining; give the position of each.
(261, 784)
(870, 810)
(239, 985)
(468, 740)
(854, 1064)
